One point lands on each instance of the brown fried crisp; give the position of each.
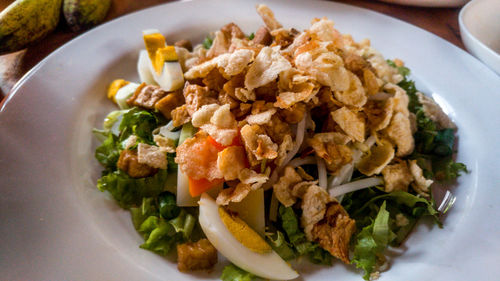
(233, 194)
(374, 162)
(332, 148)
(397, 177)
(355, 95)
(351, 123)
(262, 36)
(129, 163)
(371, 82)
(228, 64)
(146, 96)
(151, 155)
(258, 145)
(399, 131)
(268, 17)
(200, 255)
(283, 188)
(313, 207)
(435, 113)
(379, 114)
(231, 161)
(421, 184)
(268, 64)
(197, 96)
(334, 231)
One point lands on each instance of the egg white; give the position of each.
(144, 69)
(268, 265)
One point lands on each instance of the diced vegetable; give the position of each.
(197, 187)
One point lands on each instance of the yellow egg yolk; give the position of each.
(153, 42)
(114, 87)
(243, 233)
(165, 54)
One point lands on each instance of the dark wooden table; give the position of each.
(440, 21)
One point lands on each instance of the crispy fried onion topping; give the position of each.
(217, 121)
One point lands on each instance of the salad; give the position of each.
(268, 147)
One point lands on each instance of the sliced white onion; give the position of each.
(355, 185)
(343, 176)
(321, 172)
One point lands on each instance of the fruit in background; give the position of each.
(26, 21)
(83, 14)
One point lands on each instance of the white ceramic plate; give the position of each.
(55, 225)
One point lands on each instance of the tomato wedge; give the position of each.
(236, 142)
(197, 187)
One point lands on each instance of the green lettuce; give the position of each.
(281, 246)
(140, 123)
(129, 191)
(371, 241)
(233, 273)
(384, 219)
(108, 152)
(160, 234)
(297, 239)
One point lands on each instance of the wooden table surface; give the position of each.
(440, 21)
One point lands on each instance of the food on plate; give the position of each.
(267, 147)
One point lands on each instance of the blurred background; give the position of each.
(442, 21)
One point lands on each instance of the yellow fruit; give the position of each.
(26, 21)
(83, 14)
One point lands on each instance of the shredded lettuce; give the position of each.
(372, 241)
(384, 219)
(161, 234)
(129, 191)
(296, 237)
(281, 246)
(140, 123)
(108, 152)
(233, 273)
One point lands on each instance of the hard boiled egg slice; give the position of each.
(251, 210)
(144, 68)
(245, 248)
(163, 62)
(124, 93)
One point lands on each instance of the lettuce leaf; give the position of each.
(129, 191)
(233, 273)
(296, 237)
(371, 241)
(138, 122)
(281, 246)
(161, 235)
(108, 152)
